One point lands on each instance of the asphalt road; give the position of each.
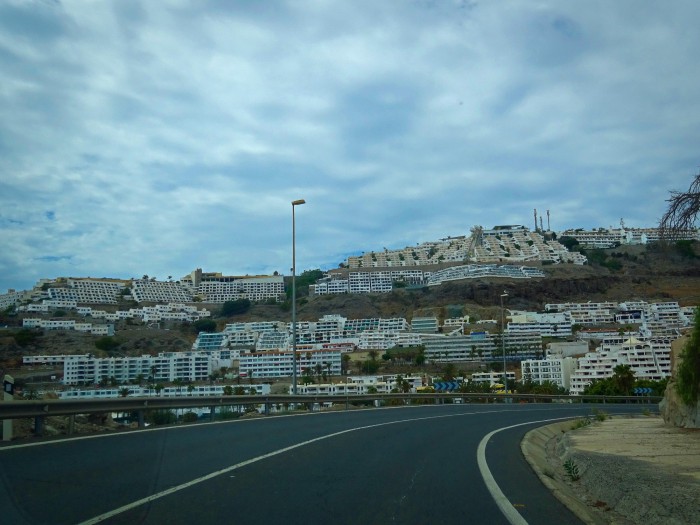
(408, 465)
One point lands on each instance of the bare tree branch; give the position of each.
(683, 210)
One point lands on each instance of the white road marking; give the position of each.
(212, 475)
(505, 506)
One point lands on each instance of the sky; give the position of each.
(158, 137)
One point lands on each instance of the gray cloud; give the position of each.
(159, 137)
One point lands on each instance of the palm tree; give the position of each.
(623, 377)
(345, 361)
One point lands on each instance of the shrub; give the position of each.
(571, 469)
(189, 417)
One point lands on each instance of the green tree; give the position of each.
(205, 325)
(107, 343)
(228, 390)
(307, 376)
(237, 307)
(449, 371)
(623, 378)
(688, 371)
(602, 387)
(303, 282)
(345, 363)
(25, 337)
(369, 367)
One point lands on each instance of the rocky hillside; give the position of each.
(626, 273)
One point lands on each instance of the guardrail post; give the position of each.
(71, 424)
(142, 421)
(39, 426)
(8, 391)
(267, 406)
(347, 401)
(212, 413)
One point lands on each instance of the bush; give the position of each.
(162, 417)
(189, 417)
(237, 307)
(205, 325)
(107, 343)
(25, 337)
(688, 373)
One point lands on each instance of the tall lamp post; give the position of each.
(503, 342)
(294, 298)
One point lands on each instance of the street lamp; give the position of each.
(295, 203)
(503, 342)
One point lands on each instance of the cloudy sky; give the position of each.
(157, 137)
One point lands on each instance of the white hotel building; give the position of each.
(167, 366)
(87, 290)
(280, 363)
(547, 325)
(557, 370)
(648, 359)
(214, 287)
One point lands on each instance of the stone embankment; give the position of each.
(620, 470)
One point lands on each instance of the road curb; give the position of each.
(534, 448)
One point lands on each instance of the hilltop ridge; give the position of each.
(652, 275)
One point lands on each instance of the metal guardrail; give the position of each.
(63, 407)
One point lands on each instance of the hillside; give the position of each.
(648, 274)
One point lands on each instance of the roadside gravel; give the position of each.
(628, 471)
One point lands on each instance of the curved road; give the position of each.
(405, 465)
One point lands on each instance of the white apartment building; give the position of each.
(481, 346)
(259, 326)
(480, 271)
(359, 385)
(649, 359)
(363, 282)
(425, 325)
(378, 340)
(455, 323)
(51, 359)
(168, 391)
(150, 290)
(280, 363)
(214, 287)
(557, 370)
(366, 282)
(68, 324)
(580, 307)
(87, 290)
(10, 298)
(492, 378)
(330, 286)
(611, 237)
(547, 325)
(476, 346)
(168, 366)
(559, 349)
